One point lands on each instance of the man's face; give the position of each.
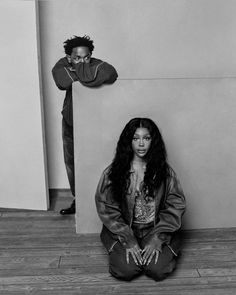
(81, 54)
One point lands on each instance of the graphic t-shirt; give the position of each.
(144, 209)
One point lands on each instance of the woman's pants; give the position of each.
(120, 269)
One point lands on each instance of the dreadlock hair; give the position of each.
(156, 160)
(76, 42)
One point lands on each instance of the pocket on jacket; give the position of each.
(108, 239)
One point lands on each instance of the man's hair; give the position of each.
(76, 41)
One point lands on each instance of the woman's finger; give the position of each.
(139, 256)
(157, 256)
(127, 255)
(134, 257)
(137, 253)
(144, 250)
(151, 256)
(147, 254)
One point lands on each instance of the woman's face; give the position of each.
(141, 142)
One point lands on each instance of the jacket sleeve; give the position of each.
(63, 75)
(103, 73)
(110, 213)
(170, 214)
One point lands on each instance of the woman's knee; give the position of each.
(118, 265)
(159, 272)
(125, 272)
(165, 265)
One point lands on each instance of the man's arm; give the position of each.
(91, 75)
(63, 75)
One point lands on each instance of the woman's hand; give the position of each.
(148, 253)
(135, 252)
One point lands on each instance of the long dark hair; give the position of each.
(156, 159)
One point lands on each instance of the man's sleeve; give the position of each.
(103, 73)
(109, 73)
(110, 213)
(63, 76)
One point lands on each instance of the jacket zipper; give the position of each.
(174, 253)
(112, 246)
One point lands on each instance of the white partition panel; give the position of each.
(23, 179)
(198, 123)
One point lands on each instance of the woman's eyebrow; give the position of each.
(146, 134)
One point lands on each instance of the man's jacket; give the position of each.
(93, 74)
(117, 217)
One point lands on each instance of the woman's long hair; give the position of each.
(156, 159)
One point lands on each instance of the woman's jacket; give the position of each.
(117, 217)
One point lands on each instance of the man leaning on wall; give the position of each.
(77, 65)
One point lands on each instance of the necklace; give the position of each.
(137, 166)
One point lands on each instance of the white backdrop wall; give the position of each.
(152, 40)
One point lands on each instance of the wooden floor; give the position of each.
(41, 254)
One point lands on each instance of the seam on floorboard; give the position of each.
(198, 273)
(59, 262)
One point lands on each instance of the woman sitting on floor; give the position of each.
(140, 202)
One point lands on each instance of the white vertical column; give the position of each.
(23, 178)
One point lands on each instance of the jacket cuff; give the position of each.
(127, 243)
(155, 240)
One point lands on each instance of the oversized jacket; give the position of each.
(117, 217)
(93, 74)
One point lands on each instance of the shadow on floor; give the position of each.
(59, 198)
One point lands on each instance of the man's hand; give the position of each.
(135, 252)
(148, 253)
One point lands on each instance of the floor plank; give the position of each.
(29, 262)
(72, 286)
(40, 253)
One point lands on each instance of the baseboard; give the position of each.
(60, 192)
(60, 198)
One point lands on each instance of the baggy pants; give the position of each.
(68, 149)
(119, 268)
